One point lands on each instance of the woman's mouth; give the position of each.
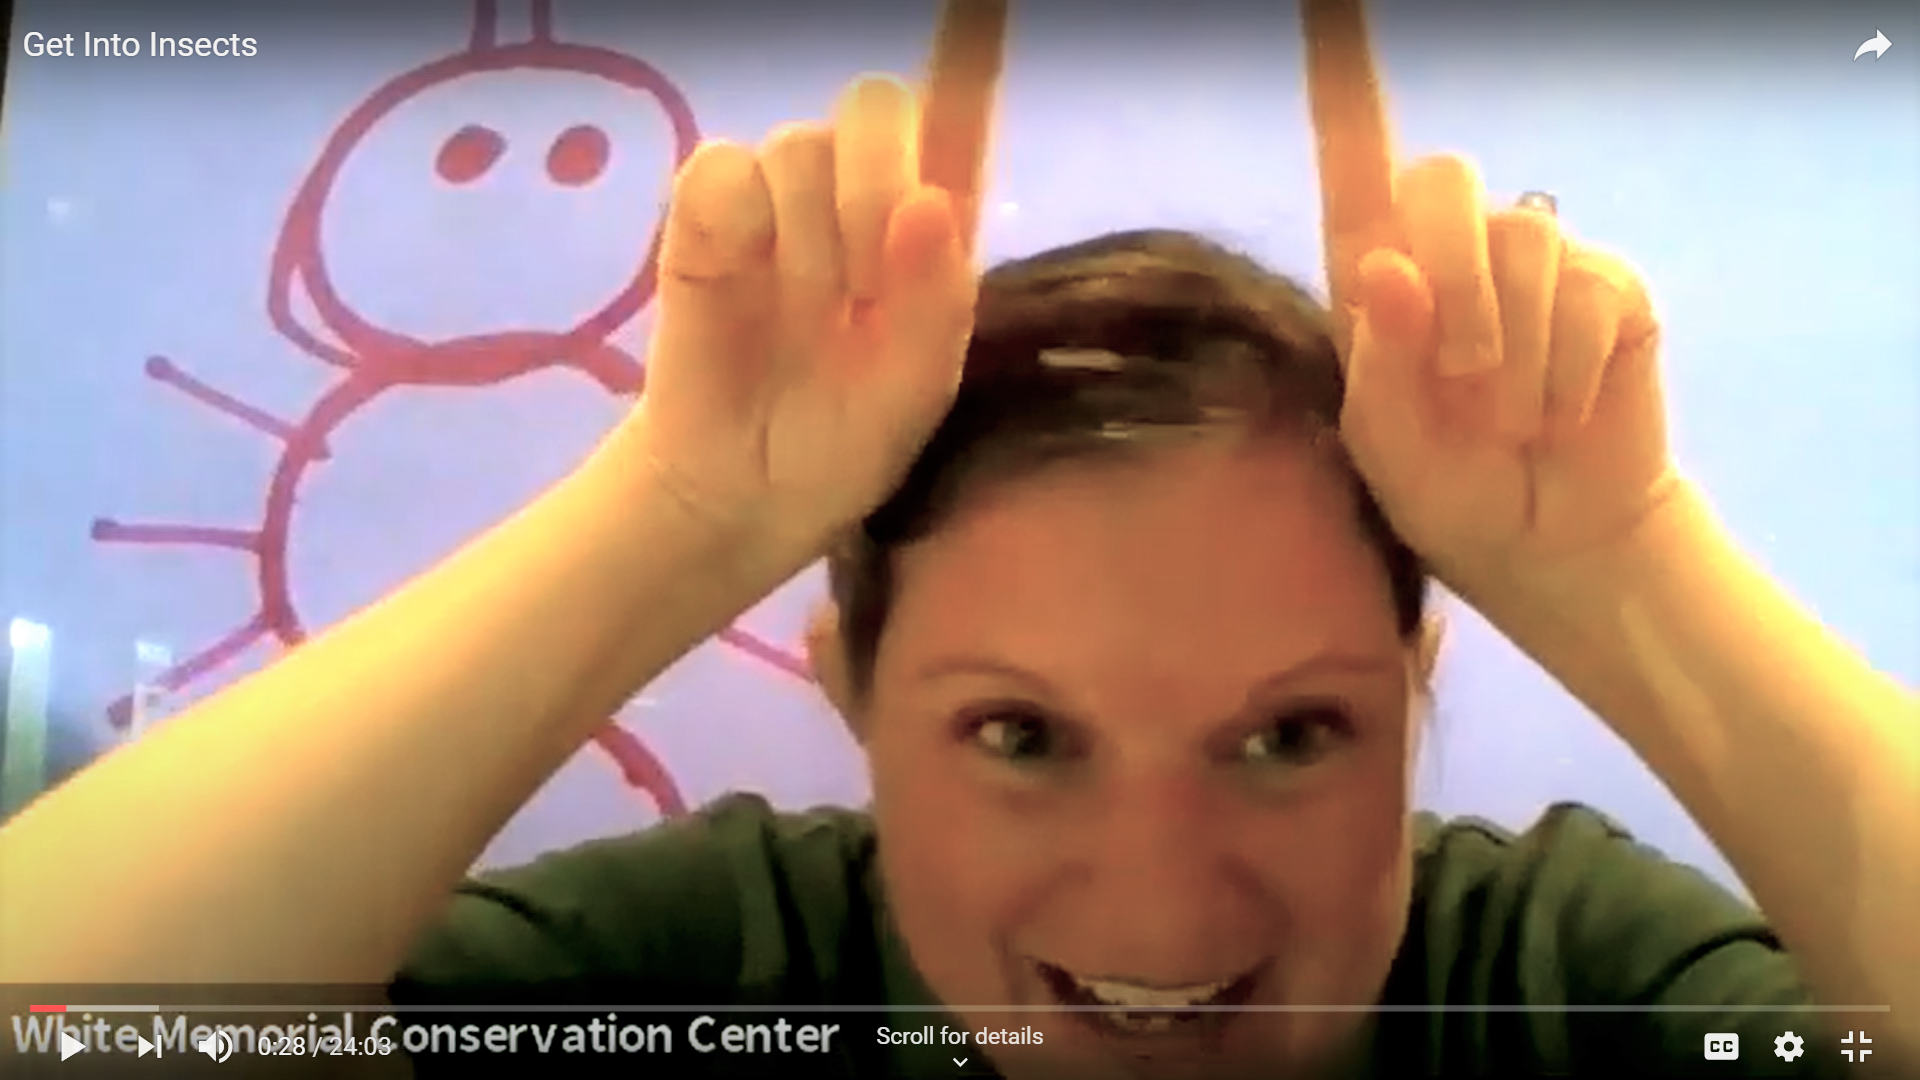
(1134, 1009)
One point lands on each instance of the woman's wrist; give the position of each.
(711, 568)
(1560, 610)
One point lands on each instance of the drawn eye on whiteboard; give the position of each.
(579, 156)
(469, 153)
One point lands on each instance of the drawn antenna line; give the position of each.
(767, 653)
(111, 531)
(640, 768)
(165, 371)
(201, 664)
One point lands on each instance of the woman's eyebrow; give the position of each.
(1322, 665)
(1318, 665)
(962, 665)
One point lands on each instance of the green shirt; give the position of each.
(740, 907)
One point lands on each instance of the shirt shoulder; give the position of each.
(734, 904)
(1594, 950)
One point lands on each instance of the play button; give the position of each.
(70, 1046)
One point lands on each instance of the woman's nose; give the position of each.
(1160, 870)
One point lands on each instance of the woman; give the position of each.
(1136, 646)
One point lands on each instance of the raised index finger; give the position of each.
(1353, 144)
(957, 104)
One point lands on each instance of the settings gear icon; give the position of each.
(1789, 1046)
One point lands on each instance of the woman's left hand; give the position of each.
(1503, 384)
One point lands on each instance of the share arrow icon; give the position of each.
(1877, 45)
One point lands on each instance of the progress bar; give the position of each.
(881, 1010)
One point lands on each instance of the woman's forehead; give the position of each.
(1217, 538)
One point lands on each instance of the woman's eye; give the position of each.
(1298, 737)
(1017, 737)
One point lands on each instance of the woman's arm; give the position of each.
(306, 824)
(1800, 761)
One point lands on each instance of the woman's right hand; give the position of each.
(816, 299)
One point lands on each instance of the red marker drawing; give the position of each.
(373, 361)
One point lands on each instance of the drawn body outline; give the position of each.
(376, 361)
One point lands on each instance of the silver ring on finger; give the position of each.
(1545, 202)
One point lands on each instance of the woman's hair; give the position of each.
(1103, 348)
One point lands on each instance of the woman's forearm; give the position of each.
(305, 824)
(1799, 760)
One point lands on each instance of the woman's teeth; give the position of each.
(1135, 996)
(1154, 1023)
(1144, 1010)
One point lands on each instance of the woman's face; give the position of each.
(1141, 726)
